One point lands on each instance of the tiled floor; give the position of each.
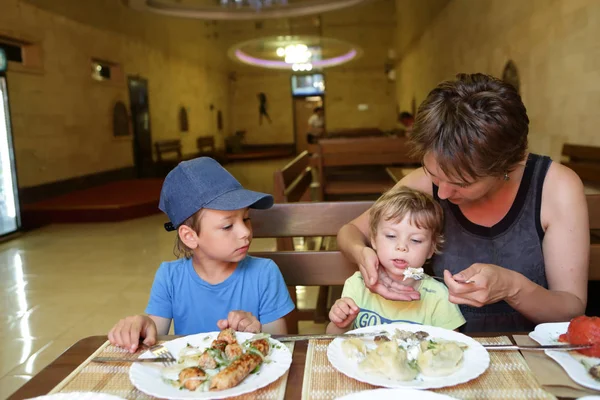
(62, 283)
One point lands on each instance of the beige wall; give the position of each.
(362, 81)
(62, 119)
(554, 44)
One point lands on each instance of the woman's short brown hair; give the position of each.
(424, 212)
(475, 126)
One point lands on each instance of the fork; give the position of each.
(160, 351)
(439, 278)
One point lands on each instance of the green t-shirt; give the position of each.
(433, 309)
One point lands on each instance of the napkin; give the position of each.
(549, 373)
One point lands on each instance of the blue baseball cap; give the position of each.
(204, 183)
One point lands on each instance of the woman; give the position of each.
(516, 224)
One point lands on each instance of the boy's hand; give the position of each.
(343, 312)
(128, 332)
(241, 321)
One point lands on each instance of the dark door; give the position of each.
(142, 137)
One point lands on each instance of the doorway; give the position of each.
(140, 117)
(303, 109)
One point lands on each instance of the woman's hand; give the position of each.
(378, 281)
(490, 284)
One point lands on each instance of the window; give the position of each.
(106, 71)
(21, 54)
(13, 52)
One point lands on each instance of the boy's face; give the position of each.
(224, 235)
(401, 245)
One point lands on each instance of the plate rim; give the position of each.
(563, 358)
(430, 384)
(216, 394)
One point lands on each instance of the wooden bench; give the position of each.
(165, 147)
(584, 160)
(327, 268)
(291, 184)
(206, 146)
(368, 157)
(307, 268)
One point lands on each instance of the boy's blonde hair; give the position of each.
(423, 210)
(181, 250)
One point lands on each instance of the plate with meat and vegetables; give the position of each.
(583, 366)
(409, 356)
(214, 365)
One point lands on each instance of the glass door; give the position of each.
(10, 218)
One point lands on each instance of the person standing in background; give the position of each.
(316, 125)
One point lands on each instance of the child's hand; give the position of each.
(241, 321)
(343, 312)
(128, 332)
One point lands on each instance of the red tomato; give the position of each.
(584, 330)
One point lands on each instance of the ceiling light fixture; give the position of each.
(240, 9)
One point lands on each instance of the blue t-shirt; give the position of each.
(256, 286)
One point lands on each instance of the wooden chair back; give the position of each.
(593, 201)
(584, 160)
(206, 146)
(307, 268)
(164, 147)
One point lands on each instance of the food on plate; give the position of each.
(440, 358)
(389, 360)
(406, 355)
(223, 365)
(414, 273)
(354, 348)
(192, 377)
(240, 368)
(584, 330)
(595, 371)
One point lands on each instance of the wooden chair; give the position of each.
(584, 160)
(307, 268)
(359, 153)
(164, 147)
(206, 146)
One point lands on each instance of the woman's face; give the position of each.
(456, 191)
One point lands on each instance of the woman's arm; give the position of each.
(566, 244)
(566, 249)
(353, 241)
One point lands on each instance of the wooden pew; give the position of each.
(164, 147)
(361, 153)
(291, 184)
(326, 268)
(313, 267)
(584, 160)
(206, 146)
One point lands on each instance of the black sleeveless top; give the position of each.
(514, 243)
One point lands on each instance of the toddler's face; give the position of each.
(400, 245)
(225, 235)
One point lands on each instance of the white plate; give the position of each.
(570, 361)
(78, 396)
(395, 394)
(147, 378)
(476, 359)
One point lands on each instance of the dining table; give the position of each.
(79, 354)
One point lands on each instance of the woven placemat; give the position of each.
(508, 377)
(114, 378)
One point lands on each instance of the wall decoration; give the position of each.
(183, 120)
(120, 120)
(511, 75)
(219, 121)
(262, 108)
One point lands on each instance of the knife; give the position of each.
(330, 336)
(559, 347)
(136, 360)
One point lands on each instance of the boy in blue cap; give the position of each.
(216, 285)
